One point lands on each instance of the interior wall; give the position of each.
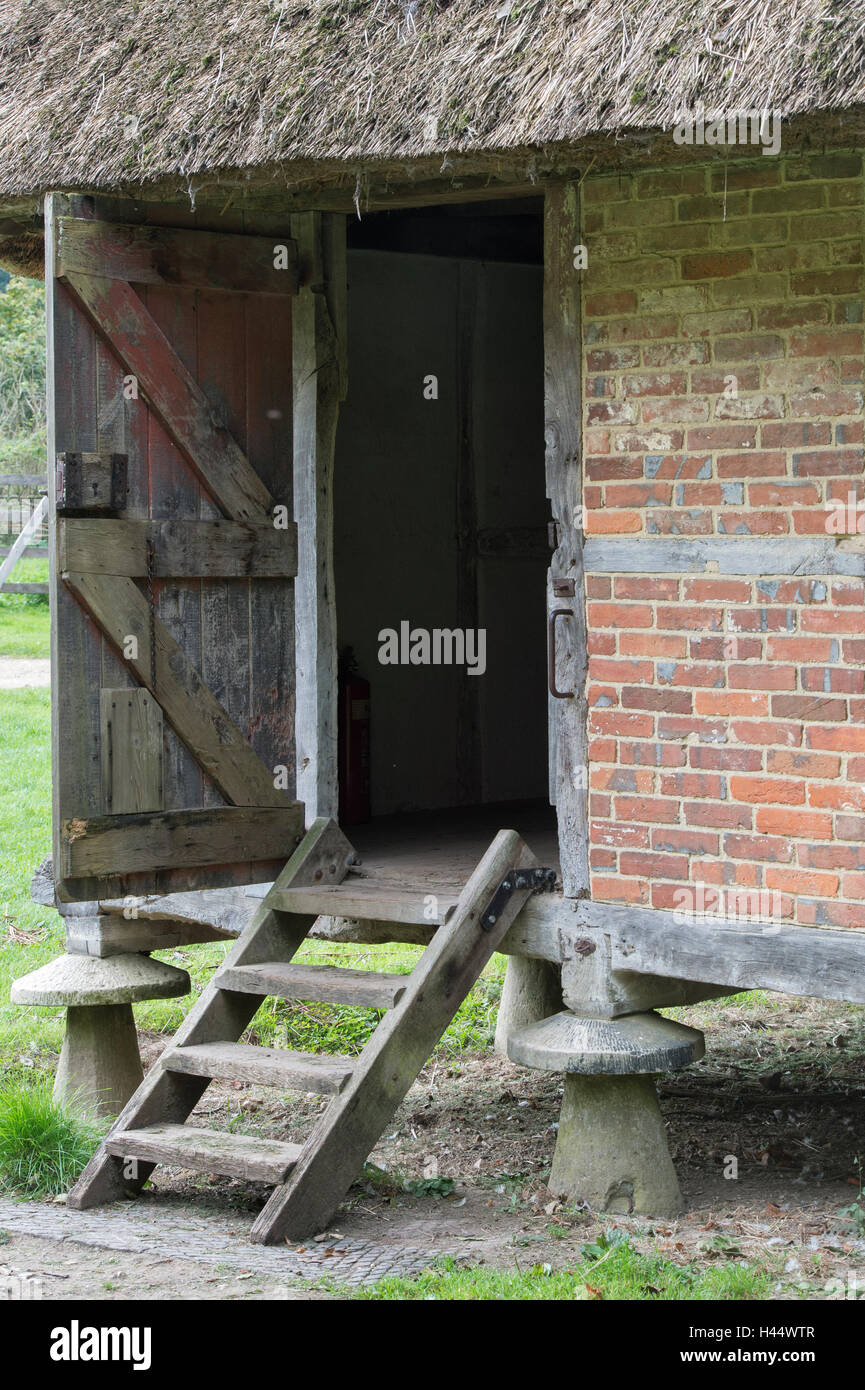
(427, 493)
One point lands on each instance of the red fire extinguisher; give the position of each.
(353, 734)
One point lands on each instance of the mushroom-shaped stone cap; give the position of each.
(80, 980)
(636, 1043)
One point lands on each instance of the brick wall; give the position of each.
(723, 381)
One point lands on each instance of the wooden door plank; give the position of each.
(217, 745)
(562, 347)
(175, 395)
(180, 549)
(131, 746)
(101, 846)
(218, 1015)
(153, 255)
(335, 1151)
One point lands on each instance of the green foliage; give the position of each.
(855, 1212)
(25, 572)
(22, 357)
(43, 1146)
(620, 1274)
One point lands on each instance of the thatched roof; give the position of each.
(109, 94)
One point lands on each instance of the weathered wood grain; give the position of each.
(200, 721)
(107, 845)
(208, 1151)
(733, 555)
(328, 984)
(175, 395)
(562, 347)
(131, 744)
(263, 1066)
(365, 899)
(180, 549)
(152, 255)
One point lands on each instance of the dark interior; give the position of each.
(440, 508)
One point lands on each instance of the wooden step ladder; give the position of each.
(310, 1180)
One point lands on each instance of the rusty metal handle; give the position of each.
(551, 654)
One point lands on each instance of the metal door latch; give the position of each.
(536, 880)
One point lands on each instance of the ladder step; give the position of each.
(211, 1151)
(329, 984)
(265, 1066)
(370, 902)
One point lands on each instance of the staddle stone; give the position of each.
(83, 980)
(100, 1066)
(636, 1043)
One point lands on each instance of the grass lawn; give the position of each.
(24, 618)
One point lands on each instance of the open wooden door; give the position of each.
(566, 609)
(173, 550)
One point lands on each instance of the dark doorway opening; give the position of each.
(440, 510)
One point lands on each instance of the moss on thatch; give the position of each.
(102, 94)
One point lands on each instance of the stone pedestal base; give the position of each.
(532, 991)
(99, 1067)
(612, 1147)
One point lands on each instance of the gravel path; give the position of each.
(16, 672)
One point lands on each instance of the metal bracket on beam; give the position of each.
(536, 880)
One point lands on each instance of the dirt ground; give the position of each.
(782, 1090)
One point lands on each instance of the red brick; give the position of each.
(619, 724)
(762, 677)
(753, 731)
(606, 888)
(850, 828)
(692, 784)
(726, 871)
(716, 265)
(795, 436)
(678, 410)
(782, 494)
(617, 836)
(826, 344)
(600, 805)
(828, 463)
(762, 790)
(689, 619)
(832, 856)
(662, 646)
(652, 754)
(764, 848)
(717, 591)
(719, 815)
(685, 841)
(638, 495)
(654, 865)
(612, 359)
(849, 591)
(622, 779)
(794, 881)
(646, 808)
(672, 897)
(761, 619)
(679, 523)
(680, 354)
(601, 643)
(697, 674)
(799, 764)
(755, 347)
(714, 381)
(729, 702)
(830, 914)
(619, 615)
(670, 701)
(616, 302)
(671, 726)
(834, 620)
(804, 825)
(854, 885)
(760, 464)
(727, 759)
(644, 587)
(838, 740)
(842, 796)
(601, 669)
(811, 707)
(602, 469)
(655, 384)
(799, 649)
(602, 858)
(602, 750)
(647, 441)
(613, 523)
(723, 437)
(753, 524)
(598, 586)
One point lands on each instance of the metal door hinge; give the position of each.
(536, 880)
